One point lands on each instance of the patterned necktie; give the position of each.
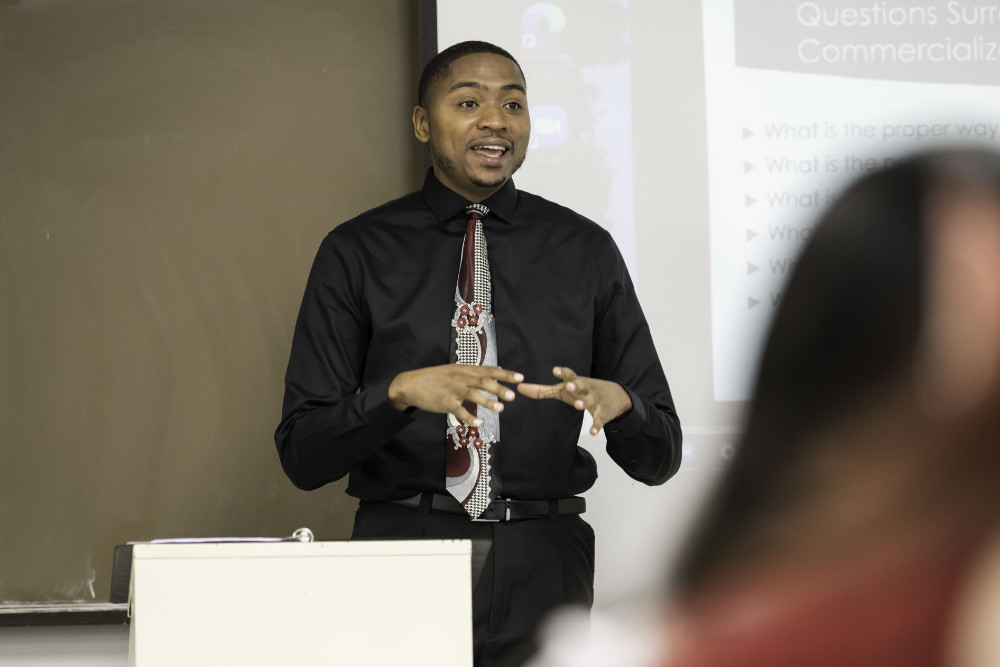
(470, 475)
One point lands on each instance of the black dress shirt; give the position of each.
(379, 301)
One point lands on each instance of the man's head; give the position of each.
(472, 113)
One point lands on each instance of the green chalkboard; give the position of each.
(167, 171)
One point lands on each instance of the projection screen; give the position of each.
(707, 137)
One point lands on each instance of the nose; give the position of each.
(492, 117)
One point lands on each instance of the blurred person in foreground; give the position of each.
(859, 523)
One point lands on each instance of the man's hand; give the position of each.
(444, 389)
(604, 400)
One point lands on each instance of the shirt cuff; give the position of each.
(383, 419)
(630, 423)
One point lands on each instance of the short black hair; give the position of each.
(439, 65)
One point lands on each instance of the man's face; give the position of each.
(476, 124)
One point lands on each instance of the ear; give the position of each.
(958, 355)
(421, 124)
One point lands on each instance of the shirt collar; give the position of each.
(447, 204)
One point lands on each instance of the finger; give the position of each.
(550, 391)
(577, 391)
(579, 388)
(570, 393)
(564, 373)
(466, 417)
(574, 387)
(502, 374)
(597, 424)
(491, 386)
(539, 391)
(488, 378)
(479, 398)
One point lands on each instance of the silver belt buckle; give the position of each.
(506, 516)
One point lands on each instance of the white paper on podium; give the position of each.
(371, 603)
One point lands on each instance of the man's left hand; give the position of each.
(604, 400)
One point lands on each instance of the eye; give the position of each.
(467, 104)
(514, 106)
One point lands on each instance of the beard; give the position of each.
(447, 167)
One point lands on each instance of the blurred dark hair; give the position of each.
(439, 65)
(846, 328)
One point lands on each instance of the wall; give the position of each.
(167, 171)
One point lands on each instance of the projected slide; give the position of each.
(709, 135)
(802, 96)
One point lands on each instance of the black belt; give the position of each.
(501, 509)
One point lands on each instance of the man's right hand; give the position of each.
(443, 389)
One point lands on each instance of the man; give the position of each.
(369, 382)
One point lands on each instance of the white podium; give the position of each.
(371, 604)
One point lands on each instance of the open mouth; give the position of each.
(490, 150)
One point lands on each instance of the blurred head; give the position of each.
(887, 340)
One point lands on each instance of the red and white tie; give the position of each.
(470, 475)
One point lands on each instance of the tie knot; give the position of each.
(476, 211)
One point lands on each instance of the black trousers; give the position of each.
(534, 567)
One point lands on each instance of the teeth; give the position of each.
(493, 148)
